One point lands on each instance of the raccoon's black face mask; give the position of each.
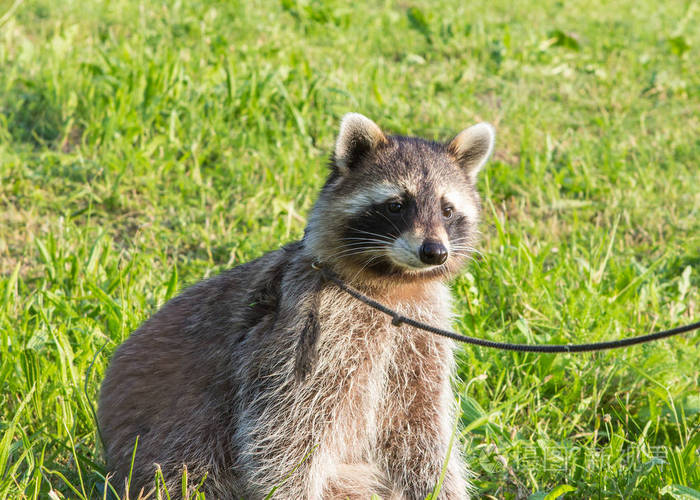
(399, 206)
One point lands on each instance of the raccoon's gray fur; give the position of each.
(265, 375)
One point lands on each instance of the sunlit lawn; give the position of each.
(145, 146)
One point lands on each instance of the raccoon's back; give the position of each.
(168, 382)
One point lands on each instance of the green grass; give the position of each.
(144, 147)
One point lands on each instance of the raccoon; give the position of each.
(266, 377)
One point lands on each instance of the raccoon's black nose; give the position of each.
(433, 252)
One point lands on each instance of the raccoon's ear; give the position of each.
(472, 147)
(358, 135)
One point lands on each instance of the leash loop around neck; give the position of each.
(397, 320)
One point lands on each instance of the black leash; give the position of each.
(398, 320)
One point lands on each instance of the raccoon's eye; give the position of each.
(447, 212)
(394, 207)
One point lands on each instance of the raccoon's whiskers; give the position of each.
(369, 261)
(364, 238)
(462, 250)
(358, 248)
(461, 242)
(467, 256)
(358, 245)
(465, 248)
(443, 272)
(347, 254)
(362, 231)
(366, 241)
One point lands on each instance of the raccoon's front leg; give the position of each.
(420, 421)
(415, 462)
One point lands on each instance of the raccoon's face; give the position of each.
(399, 207)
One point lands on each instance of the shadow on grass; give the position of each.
(34, 116)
